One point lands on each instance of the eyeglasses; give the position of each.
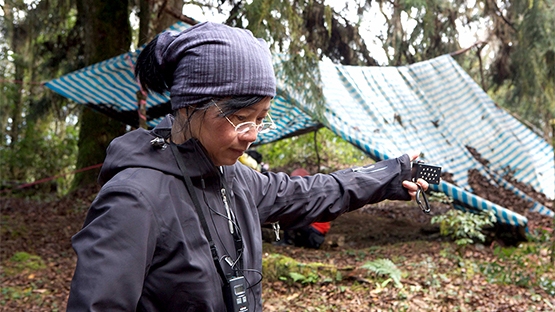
(244, 127)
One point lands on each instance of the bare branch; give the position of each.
(502, 16)
(180, 16)
(461, 51)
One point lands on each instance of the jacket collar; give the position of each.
(196, 160)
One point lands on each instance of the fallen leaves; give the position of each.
(433, 279)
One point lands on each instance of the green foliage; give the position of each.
(43, 144)
(24, 261)
(523, 71)
(38, 132)
(18, 293)
(520, 266)
(499, 274)
(310, 278)
(279, 267)
(419, 30)
(540, 235)
(439, 197)
(463, 227)
(548, 285)
(283, 268)
(385, 267)
(12, 231)
(330, 152)
(20, 257)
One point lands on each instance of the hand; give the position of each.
(411, 186)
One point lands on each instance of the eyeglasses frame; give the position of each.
(252, 125)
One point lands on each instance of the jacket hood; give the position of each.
(142, 148)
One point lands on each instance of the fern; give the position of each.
(297, 276)
(385, 267)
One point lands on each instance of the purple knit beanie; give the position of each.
(214, 60)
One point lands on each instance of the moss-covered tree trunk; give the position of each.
(107, 34)
(17, 42)
(552, 122)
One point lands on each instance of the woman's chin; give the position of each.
(226, 162)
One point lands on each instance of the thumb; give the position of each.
(414, 155)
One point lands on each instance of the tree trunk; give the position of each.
(552, 123)
(107, 34)
(165, 20)
(15, 172)
(17, 45)
(154, 17)
(145, 7)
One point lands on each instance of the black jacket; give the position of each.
(143, 248)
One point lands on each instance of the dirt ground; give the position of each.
(387, 223)
(44, 228)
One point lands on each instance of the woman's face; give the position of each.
(218, 136)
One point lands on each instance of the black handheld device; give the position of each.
(430, 174)
(235, 294)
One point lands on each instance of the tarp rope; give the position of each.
(25, 185)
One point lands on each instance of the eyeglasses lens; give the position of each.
(248, 126)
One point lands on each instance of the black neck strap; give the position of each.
(191, 190)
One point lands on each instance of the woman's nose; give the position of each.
(250, 135)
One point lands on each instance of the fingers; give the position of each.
(413, 188)
(423, 184)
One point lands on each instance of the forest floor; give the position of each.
(37, 263)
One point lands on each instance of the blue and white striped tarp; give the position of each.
(436, 108)
(110, 83)
(433, 107)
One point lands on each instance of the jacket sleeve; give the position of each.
(299, 201)
(114, 250)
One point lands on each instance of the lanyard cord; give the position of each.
(190, 188)
(237, 237)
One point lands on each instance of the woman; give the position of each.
(176, 225)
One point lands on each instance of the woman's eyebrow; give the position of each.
(254, 109)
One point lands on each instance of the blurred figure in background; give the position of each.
(252, 158)
(311, 236)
